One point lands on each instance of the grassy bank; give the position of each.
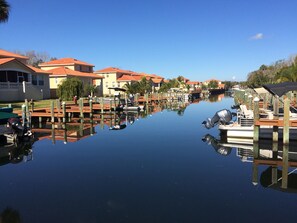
(37, 104)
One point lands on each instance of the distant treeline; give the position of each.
(280, 71)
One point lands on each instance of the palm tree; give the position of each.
(4, 11)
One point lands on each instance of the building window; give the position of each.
(34, 79)
(107, 75)
(41, 80)
(3, 77)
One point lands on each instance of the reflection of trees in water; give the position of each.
(10, 215)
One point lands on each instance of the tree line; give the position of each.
(280, 71)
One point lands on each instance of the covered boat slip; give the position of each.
(274, 120)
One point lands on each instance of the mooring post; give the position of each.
(91, 108)
(81, 107)
(255, 174)
(24, 114)
(52, 112)
(110, 104)
(102, 104)
(102, 122)
(285, 167)
(250, 97)
(65, 135)
(58, 103)
(64, 111)
(53, 132)
(256, 118)
(286, 131)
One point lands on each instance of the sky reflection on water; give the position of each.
(156, 170)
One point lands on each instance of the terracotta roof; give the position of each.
(65, 61)
(114, 70)
(4, 53)
(193, 82)
(5, 60)
(37, 70)
(64, 71)
(157, 80)
(126, 77)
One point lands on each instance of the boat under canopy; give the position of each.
(281, 88)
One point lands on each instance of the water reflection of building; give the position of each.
(281, 161)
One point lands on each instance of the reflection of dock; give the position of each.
(266, 153)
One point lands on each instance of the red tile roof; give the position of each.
(5, 60)
(157, 80)
(63, 71)
(192, 82)
(37, 70)
(114, 70)
(126, 77)
(65, 61)
(4, 53)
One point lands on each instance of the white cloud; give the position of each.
(258, 36)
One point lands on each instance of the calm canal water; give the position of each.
(156, 170)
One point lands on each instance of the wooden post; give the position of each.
(81, 107)
(91, 108)
(65, 135)
(276, 106)
(102, 122)
(81, 127)
(285, 168)
(64, 111)
(52, 112)
(255, 174)
(102, 105)
(286, 137)
(110, 104)
(250, 99)
(58, 102)
(24, 114)
(256, 118)
(53, 132)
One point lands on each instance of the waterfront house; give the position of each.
(19, 81)
(193, 85)
(220, 84)
(64, 68)
(116, 77)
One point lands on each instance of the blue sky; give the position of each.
(202, 39)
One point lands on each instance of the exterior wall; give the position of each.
(55, 81)
(16, 93)
(110, 80)
(71, 67)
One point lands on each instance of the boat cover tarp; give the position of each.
(281, 88)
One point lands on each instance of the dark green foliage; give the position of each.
(4, 11)
(213, 84)
(69, 88)
(280, 71)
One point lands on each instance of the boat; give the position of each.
(14, 131)
(6, 113)
(242, 128)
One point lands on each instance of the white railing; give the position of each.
(5, 85)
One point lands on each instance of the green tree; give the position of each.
(4, 11)
(213, 84)
(90, 89)
(69, 88)
(144, 86)
(132, 88)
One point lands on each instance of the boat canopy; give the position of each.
(281, 88)
(117, 89)
(260, 90)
